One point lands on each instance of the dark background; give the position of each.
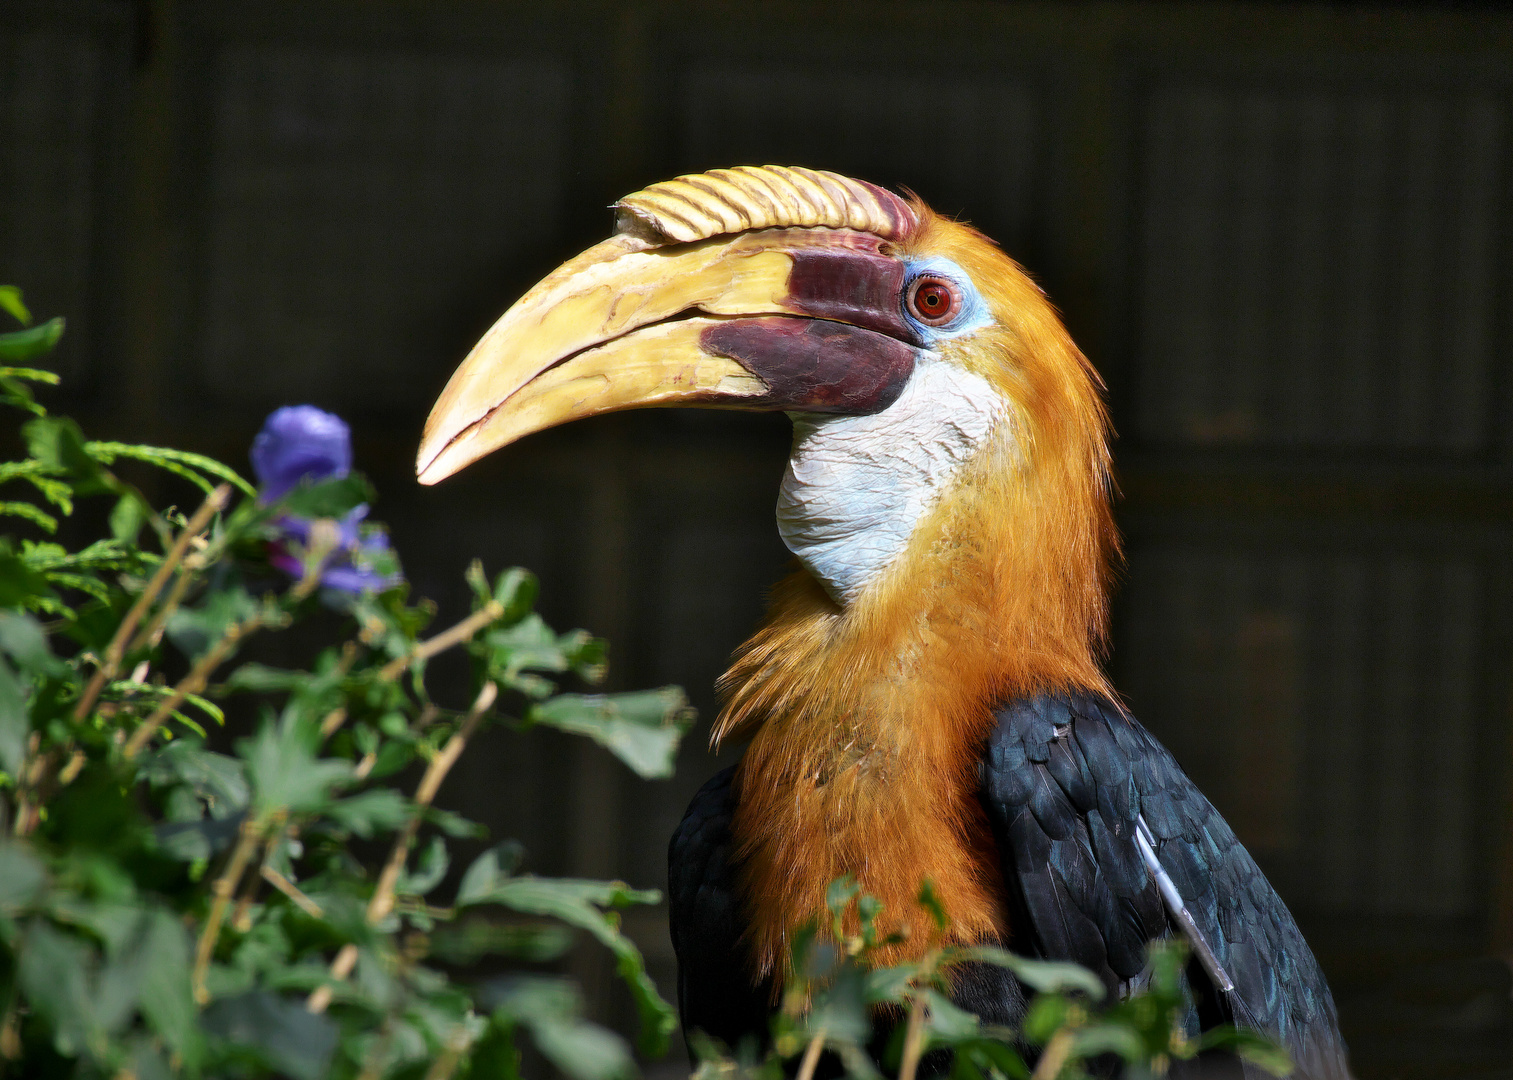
(1281, 232)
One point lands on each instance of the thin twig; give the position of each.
(292, 891)
(382, 901)
(213, 504)
(914, 1039)
(194, 682)
(811, 1056)
(225, 885)
(443, 641)
(451, 1054)
(341, 967)
(153, 630)
(241, 918)
(383, 895)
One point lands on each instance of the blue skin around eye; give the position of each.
(974, 311)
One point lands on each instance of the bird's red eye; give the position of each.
(933, 301)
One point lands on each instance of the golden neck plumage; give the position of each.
(866, 724)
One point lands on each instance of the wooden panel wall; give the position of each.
(1281, 232)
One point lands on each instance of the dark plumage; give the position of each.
(1063, 782)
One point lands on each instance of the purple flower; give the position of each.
(299, 442)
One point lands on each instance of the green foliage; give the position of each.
(843, 997)
(169, 908)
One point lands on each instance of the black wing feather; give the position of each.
(1065, 780)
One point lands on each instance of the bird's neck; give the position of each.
(866, 720)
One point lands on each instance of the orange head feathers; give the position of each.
(947, 497)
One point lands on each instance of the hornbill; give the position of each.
(924, 698)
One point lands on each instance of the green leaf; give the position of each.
(23, 638)
(10, 300)
(429, 871)
(1044, 976)
(54, 972)
(1108, 1038)
(127, 518)
(579, 904)
(216, 778)
(840, 1010)
(15, 721)
(948, 1023)
(30, 512)
(1046, 1015)
(196, 630)
(284, 773)
(22, 877)
(167, 999)
(929, 899)
(371, 812)
(179, 462)
(58, 444)
(467, 942)
(276, 1031)
(20, 346)
(550, 1009)
(20, 585)
(257, 678)
(1251, 1046)
(488, 872)
(642, 728)
(334, 498)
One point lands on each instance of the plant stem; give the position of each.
(382, 901)
(213, 504)
(292, 891)
(451, 1055)
(192, 683)
(225, 885)
(383, 895)
(811, 1056)
(1056, 1053)
(443, 641)
(914, 1039)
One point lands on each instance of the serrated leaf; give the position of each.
(217, 778)
(285, 774)
(57, 443)
(642, 728)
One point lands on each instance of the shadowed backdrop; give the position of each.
(1282, 233)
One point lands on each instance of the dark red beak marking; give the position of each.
(861, 287)
(810, 365)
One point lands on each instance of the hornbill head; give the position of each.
(923, 369)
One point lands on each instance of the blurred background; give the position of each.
(1283, 233)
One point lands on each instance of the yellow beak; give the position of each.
(772, 319)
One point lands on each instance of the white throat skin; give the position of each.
(857, 486)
